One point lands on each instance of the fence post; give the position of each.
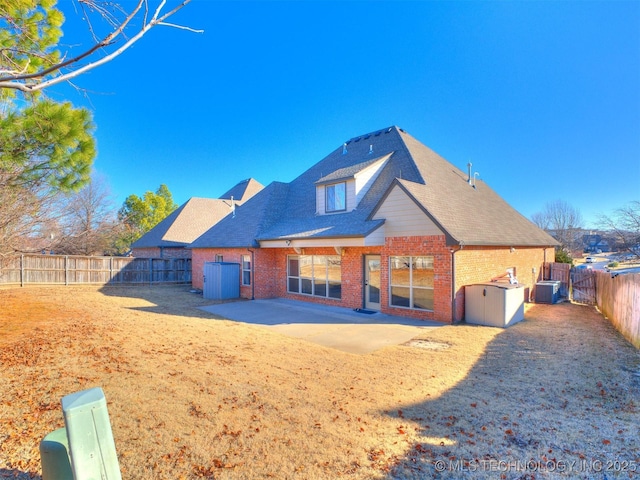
(66, 270)
(22, 270)
(151, 271)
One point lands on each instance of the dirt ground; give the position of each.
(194, 396)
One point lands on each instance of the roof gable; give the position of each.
(404, 216)
(471, 215)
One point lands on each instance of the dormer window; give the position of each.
(335, 197)
(341, 190)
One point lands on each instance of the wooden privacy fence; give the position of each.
(75, 270)
(561, 273)
(618, 298)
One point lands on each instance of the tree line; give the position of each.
(564, 222)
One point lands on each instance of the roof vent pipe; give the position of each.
(344, 149)
(370, 149)
(469, 168)
(474, 179)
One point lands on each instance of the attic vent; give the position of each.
(357, 139)
(366, 137)
(471, 180)
(378, 133)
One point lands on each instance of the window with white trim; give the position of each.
(411, 282)
(317, 275)
(335, 197)
(246, 269)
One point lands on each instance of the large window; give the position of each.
(411, 284)
(336, 199)
(246, 269)
(318, 275)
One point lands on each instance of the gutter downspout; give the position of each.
(453, 281)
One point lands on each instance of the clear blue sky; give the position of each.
(542, 97)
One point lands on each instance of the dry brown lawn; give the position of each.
(194, 396)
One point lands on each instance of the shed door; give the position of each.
(208, 282)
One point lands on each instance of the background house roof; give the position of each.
(196, 216)
(473, 216)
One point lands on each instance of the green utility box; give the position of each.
(54, 453)
(84, 449)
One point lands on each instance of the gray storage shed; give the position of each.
(494, 304)
(221, 280)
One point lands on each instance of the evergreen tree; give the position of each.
(141, 214)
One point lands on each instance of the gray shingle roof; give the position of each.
(466, 215)
(242, 229)
(185, 224)
(196, 216)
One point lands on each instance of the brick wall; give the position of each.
(200, 256)
(166, 252)
(146, 252)
(481, 264)
(472, 265)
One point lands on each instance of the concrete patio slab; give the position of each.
(335, 327)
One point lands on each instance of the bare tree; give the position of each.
(21, 77)
(28, 223)
(562, 221)
(624, 223)
(89, 222)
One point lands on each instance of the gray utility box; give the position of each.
(548, 291)
(494, 304)
(221, 280)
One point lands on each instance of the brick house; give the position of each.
(169, 238)
(382, 223)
